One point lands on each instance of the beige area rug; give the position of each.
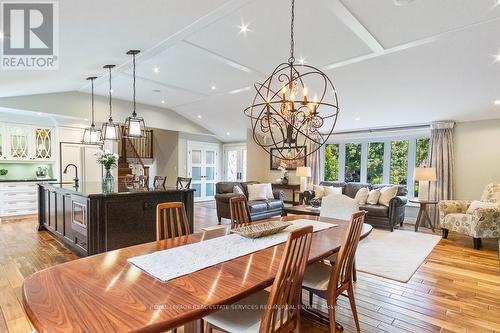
(394, 255)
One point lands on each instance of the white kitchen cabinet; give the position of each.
(26, 143)
(18, 198)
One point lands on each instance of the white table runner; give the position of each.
(172, 263)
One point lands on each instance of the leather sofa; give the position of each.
(377, 215)
(259, 210)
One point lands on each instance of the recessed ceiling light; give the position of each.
(1, 35)
(39, 113)
(227, 133)
(213, 87)
(357, 118)
(302, 60)
(244, 28)
(163, 102)
(112, 90)
(156, 69)
(199, 116)
(497, 102)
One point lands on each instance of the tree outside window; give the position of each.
(375, 174)
(332, 162)
(353, 162)
(399, 162)
(421, 158)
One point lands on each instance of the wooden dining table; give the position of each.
(105, 293)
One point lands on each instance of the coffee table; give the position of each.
(301, 210)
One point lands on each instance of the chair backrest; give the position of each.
(240, 213)
(491, 193)
(282, 313)
(344, 265)
(338, 206)
(159, 181)
(171, 220)
(183, 183)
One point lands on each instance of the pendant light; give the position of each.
(134, 126)
(92, 135)
(110, 130)
(285, 121)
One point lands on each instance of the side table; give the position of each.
(423, 212)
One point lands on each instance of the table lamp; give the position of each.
(303, 173)
(424, 176)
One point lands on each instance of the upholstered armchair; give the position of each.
(480, 222)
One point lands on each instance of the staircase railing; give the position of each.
(139, 149)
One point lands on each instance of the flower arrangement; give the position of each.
(108, 159)
(284, 172)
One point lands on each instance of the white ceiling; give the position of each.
(391, 65)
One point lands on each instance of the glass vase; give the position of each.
(108, 182)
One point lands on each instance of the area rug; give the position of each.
(394, 255)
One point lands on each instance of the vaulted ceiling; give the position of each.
(391, 64)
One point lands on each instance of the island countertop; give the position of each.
(94, 189)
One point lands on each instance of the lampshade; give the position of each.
(303, 172)
(425, 174)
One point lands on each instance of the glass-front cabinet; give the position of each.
(26, 143)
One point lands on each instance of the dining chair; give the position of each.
(171, 220)
(183, 183)
(240, 213)
(159, 181)
(338, 206)
(279, 310)
(329, 282)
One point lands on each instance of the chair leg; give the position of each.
(219, 219)
(331, 318)
(350, 293)
(209, 328)
(477, 243)
(445, 233)
(354, 272)
(311, 298)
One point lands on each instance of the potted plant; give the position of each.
(109, 161)
(3, 172)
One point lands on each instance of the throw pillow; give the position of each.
(386, 194)
(238, 190)
(328, 190)
(319, 191)
(373, 197)
(257, 192)
(362, 195)
(481, 204)
(269, 191)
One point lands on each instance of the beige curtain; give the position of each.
(313, 161)
(441, 157)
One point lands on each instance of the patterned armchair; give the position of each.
(480, 223)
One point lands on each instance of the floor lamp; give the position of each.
(424, 176)
(303, 173)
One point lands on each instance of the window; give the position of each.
(375, 173)
(352, 162)
(332, 162)
(421, 158)
(399, 162)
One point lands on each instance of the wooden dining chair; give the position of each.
(329, 282)
(240, 213)
(183, 183)
(171, 220)
(279, 310)
(159, 181)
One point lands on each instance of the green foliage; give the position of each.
(422, 158)
(332, 162)
(3, 172)
(352, 162)
(399, 162)
(375, 172)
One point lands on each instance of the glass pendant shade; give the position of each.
(92, 135)
(134, 125)
(110, 130)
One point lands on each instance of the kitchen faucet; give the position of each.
(77, 181)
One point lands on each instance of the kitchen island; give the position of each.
(89, 221)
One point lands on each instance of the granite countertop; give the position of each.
(95, 189)
(19, 180)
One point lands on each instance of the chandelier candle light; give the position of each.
(285, 122)
(92, 135)
(134, 125)
(110, 130)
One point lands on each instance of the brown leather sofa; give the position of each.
(377, 215)
(259, 210)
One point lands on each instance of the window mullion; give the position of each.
(364, 162)
(387, 162)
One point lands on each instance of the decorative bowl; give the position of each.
(257, 230)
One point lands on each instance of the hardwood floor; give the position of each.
(457, 289)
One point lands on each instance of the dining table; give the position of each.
(106, 293)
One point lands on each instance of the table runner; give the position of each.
(178, 261)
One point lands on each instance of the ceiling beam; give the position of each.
(353, 24)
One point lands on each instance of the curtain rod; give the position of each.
(385, 129)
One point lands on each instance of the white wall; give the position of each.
(166, 155)
(477, 157)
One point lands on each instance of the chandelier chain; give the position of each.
(92, 84)
(292, 42)
(134, 113)
(110, 92)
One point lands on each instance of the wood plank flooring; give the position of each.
(457, 289)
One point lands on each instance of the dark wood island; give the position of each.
(89, 221)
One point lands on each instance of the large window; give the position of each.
(375, 173)
(332, 162)
(352, 162)
(377, 160)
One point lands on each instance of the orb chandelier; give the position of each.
(285, 121)
(92, 135)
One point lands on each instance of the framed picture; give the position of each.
(291, 164)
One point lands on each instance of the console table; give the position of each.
(295, 188)
(423, 213)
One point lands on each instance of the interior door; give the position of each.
(235, 163)
(202, 168)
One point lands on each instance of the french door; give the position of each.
(235, 162)
(202, 168)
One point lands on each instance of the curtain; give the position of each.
(441, 157)
(313, 161)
